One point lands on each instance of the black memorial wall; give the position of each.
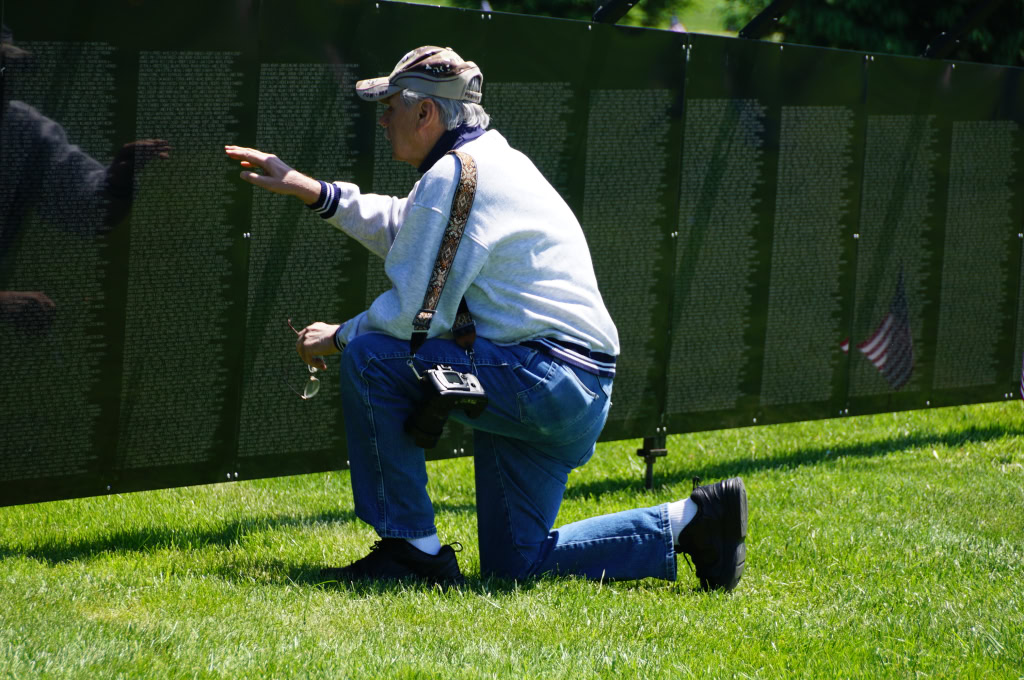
(781, 233)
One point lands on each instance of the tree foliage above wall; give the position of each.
(905, 27)
(645, 13)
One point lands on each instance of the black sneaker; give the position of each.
(392, 559)
(714, 539)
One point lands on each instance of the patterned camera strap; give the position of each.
(464, 329)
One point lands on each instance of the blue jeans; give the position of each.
(542, 420)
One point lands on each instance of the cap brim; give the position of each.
(375, 89)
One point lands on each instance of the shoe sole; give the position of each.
(737, 522)
(741, 560)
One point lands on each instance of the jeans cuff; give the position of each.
(666, 531)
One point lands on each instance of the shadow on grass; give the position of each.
(149, 539)
(732, 467)
(309, 576)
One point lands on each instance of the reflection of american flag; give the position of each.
(891, 347)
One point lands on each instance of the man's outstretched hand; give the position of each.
(271, 173)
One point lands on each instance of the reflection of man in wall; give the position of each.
(544, 352)
(43, 171)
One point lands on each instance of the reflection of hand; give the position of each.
(277, 176)
(316, 340)
(142, 151)
(131, 157)
(31, 311)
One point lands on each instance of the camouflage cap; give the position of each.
(430, 70)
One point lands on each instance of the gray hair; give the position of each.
(452, 111)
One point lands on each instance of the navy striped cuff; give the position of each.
(579, 356)
(327, 203)
(337, 338)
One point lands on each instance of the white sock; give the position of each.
(679, 515)
(428, 544)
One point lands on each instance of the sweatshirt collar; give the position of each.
(450, 139)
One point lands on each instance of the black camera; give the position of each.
(444, 390)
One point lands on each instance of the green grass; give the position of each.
(883, 546)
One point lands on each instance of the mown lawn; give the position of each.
(881, 546)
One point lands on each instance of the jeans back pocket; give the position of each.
(556, 405)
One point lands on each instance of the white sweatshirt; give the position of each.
(523, 263)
